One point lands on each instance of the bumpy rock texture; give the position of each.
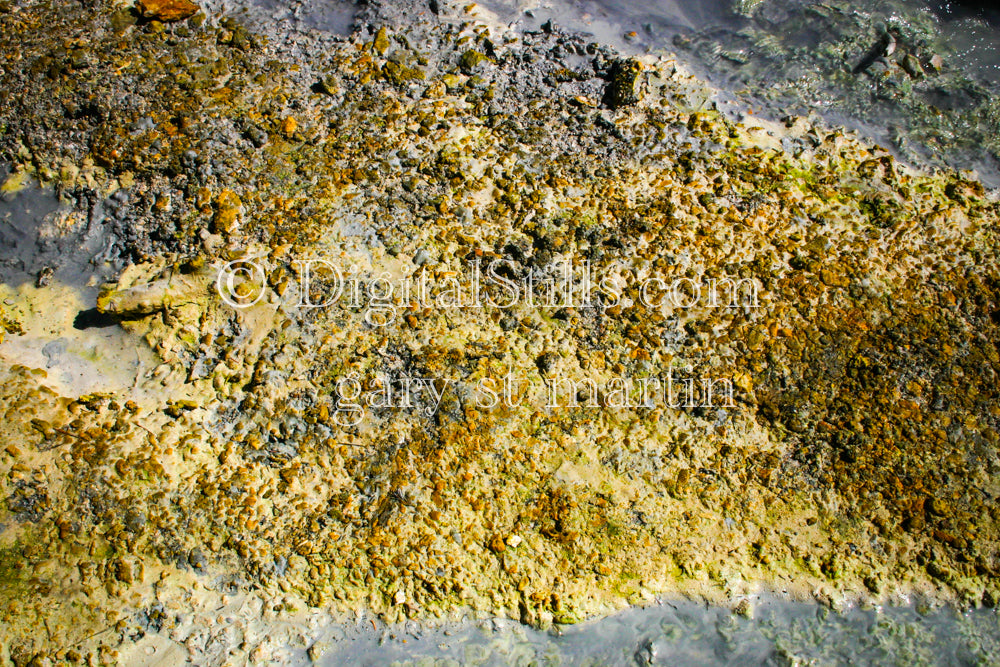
(859, 458)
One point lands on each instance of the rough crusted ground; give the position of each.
(859, 458)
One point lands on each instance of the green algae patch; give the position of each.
(12, 570)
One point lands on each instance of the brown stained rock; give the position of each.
(227, 211)
(497, 545)
(166, 10)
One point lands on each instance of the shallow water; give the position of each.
(971, 34)
(687, 633)
(974, 37)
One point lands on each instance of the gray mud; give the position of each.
(64, 251)
(336, 17)
(680, 632)
(41, 240)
